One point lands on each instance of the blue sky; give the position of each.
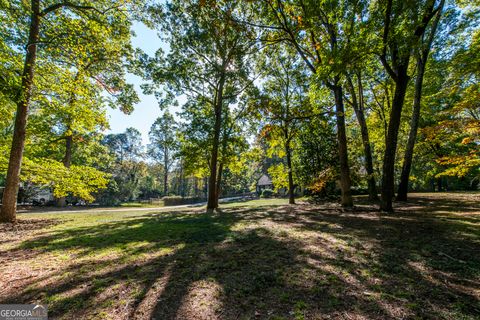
(147, 110)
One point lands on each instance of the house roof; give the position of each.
(264, 181)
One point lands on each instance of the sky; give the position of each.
(147, 110)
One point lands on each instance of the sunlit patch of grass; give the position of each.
(256, 203)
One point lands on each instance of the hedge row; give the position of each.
(177, 200)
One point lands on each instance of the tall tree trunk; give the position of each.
(67, 159)
(399, 73)
(165, 173)
(388, 174)
(212, 189)
(345, 181)
(408, 156)
(225, 136)
(372, 187)
(165, 182)
(421, 66)
(212, 202)
(9, 200)
(359, 108)
(67, 162)
(291, 187)
(219, 183)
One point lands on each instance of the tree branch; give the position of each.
(67, 4)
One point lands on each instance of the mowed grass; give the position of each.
(154, 204)
(260, 259)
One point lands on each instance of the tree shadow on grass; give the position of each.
(427, 263)
(113, 257)
(208, 270)
(266, 263)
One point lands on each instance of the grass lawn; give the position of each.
(155, 204)
(259, 259)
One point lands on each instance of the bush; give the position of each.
(323, 186)
(266, 193)
(178, 200)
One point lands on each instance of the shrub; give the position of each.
(266, 193)
(323, 186)
(178, 200)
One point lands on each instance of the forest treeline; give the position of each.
(374, 96)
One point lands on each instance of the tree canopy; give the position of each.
(321, 97)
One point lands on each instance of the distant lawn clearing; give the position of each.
(258, 259)
(155, 204)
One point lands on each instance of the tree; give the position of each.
(284, 106)
(422, 54)
(357, 101)
(45, 26)
(194, 138)
(403, 25)
(327, 36)
(450, 129)
(205, 63)
(75, 107)
(163, 144)
(233, 141)
(317, 154)
(128, 167)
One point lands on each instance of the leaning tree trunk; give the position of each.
(408, 157)
(401, 79)
(422, 63)
(388, 174)
(359, 108)
(67, 162)
(9, 201)
(212, 202)
(345, 181)
(372, 187)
